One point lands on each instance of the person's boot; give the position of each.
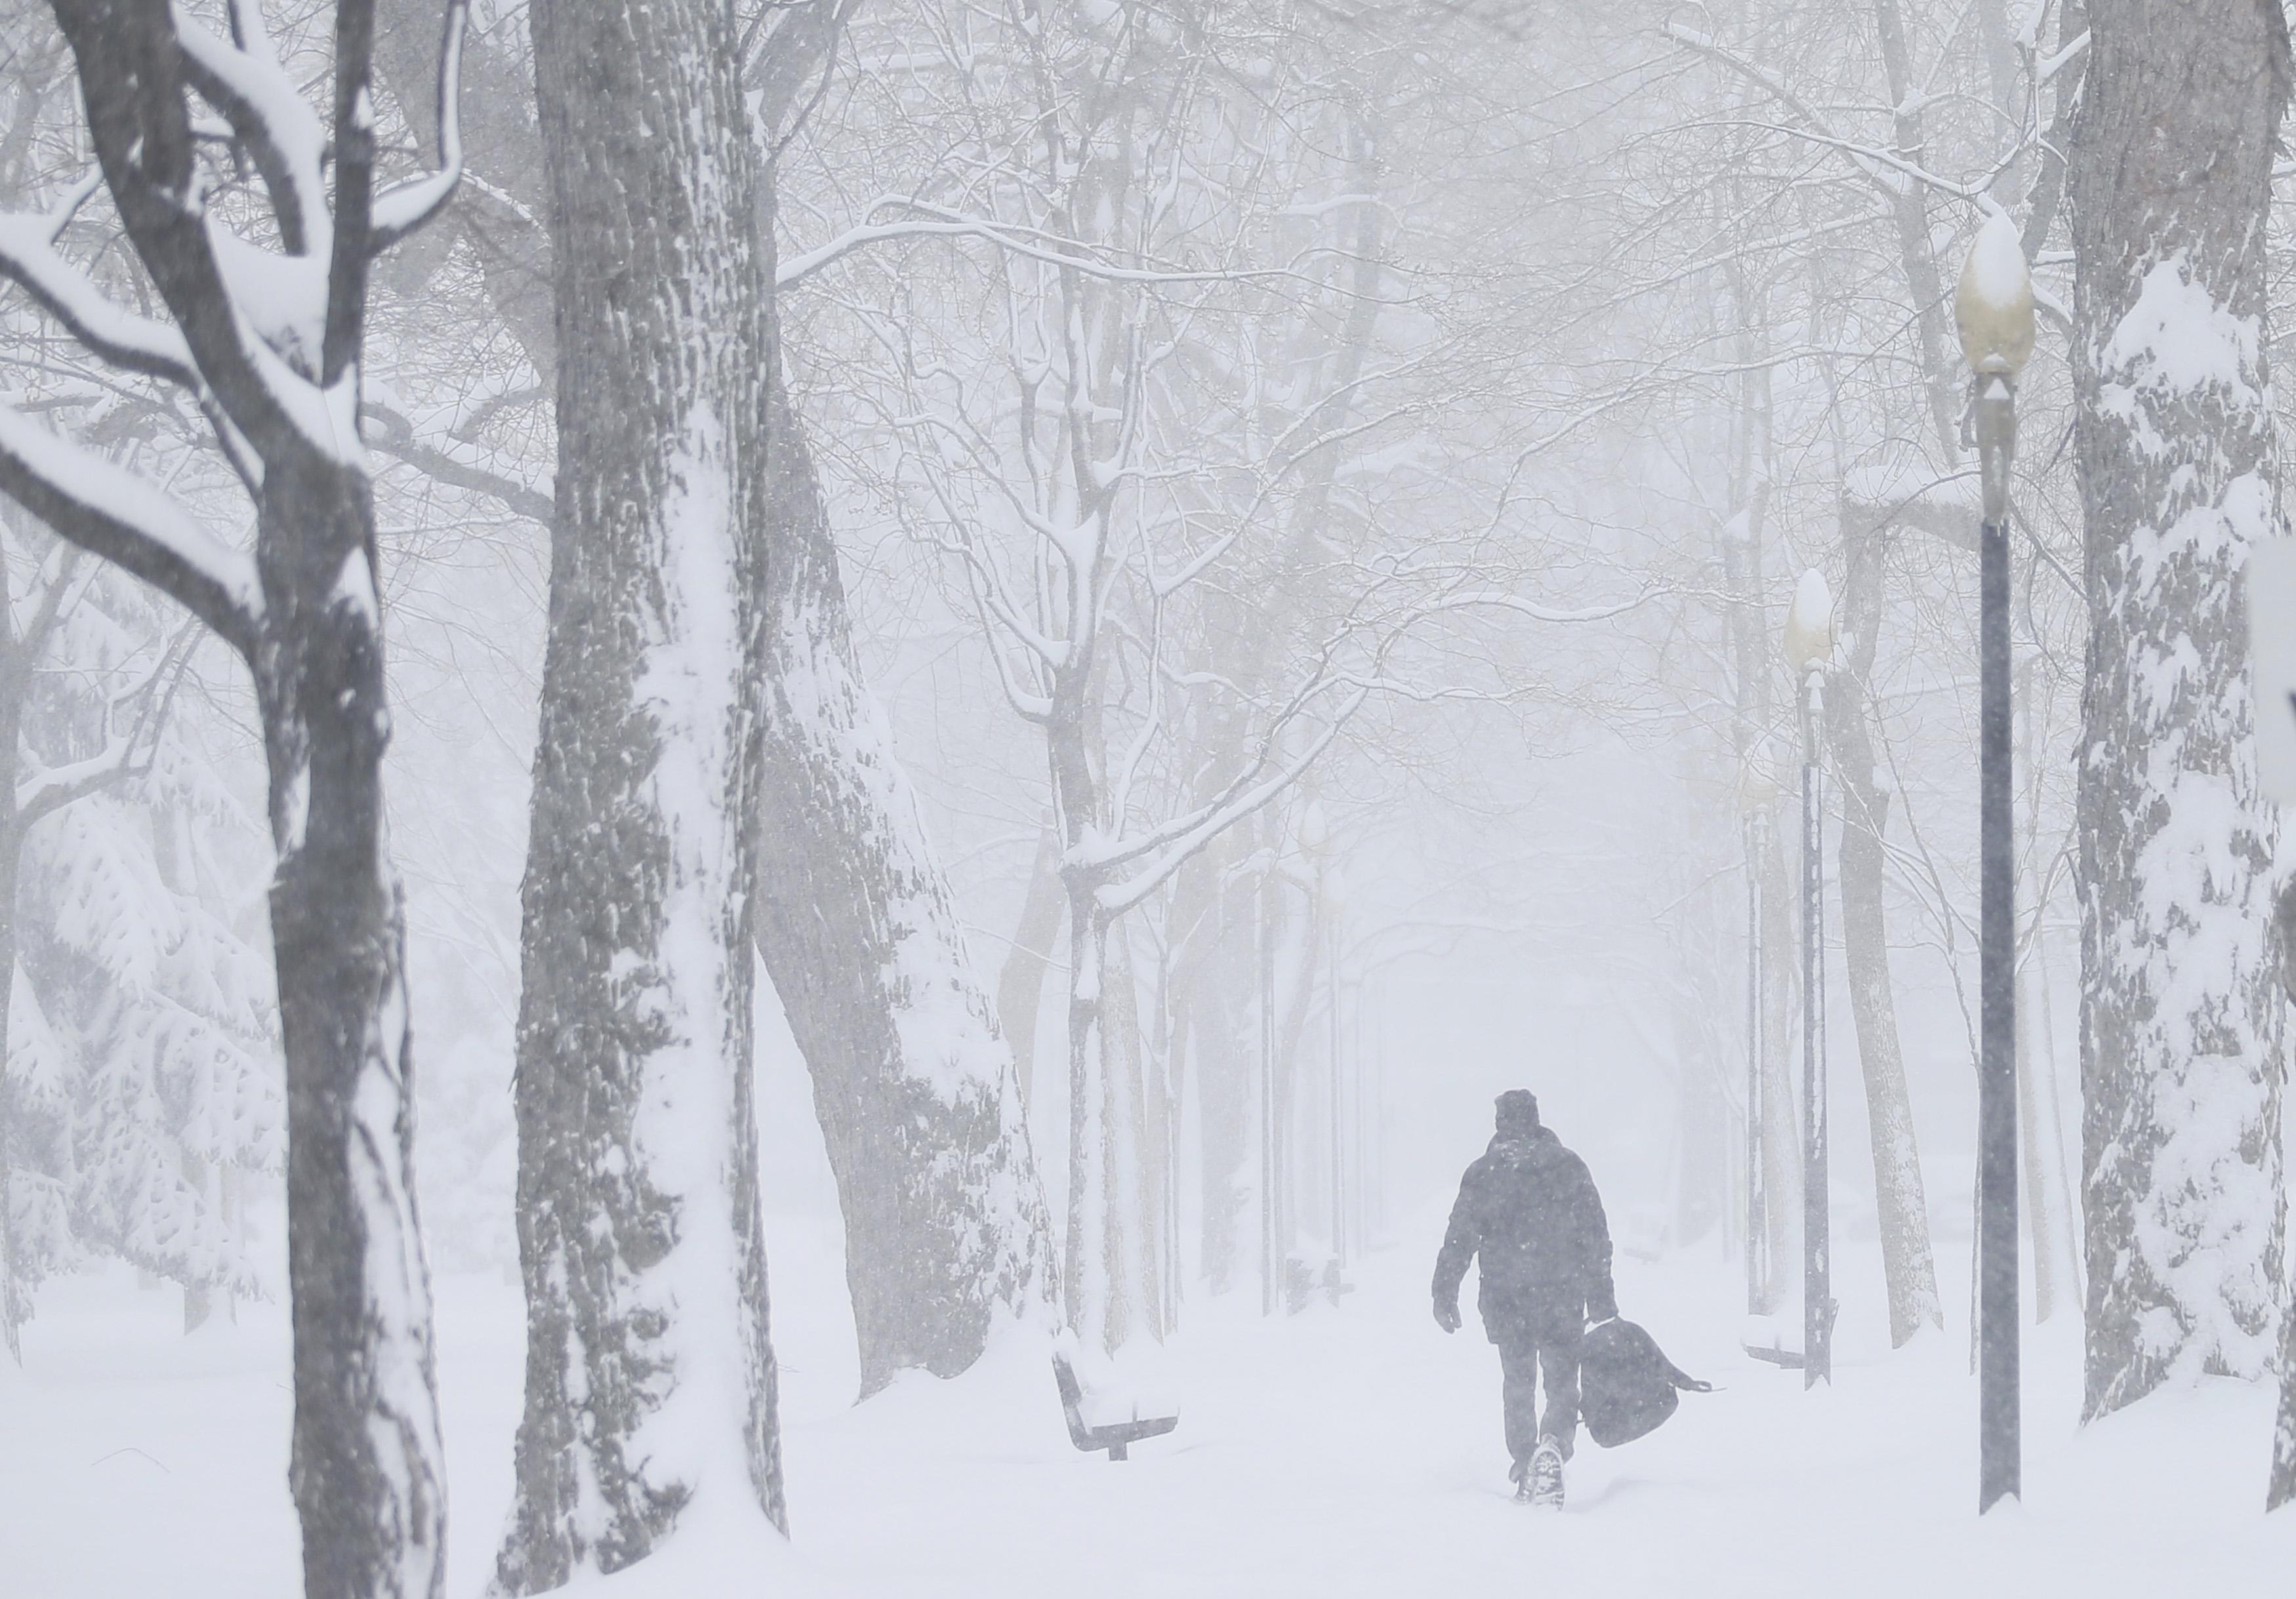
(1545, 1477)
(1519, 1475)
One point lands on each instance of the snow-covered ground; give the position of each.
(1338, 1453)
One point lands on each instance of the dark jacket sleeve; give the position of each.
(1460, 1242)
(1595, 1240)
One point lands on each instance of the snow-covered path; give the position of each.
(1335, 1454)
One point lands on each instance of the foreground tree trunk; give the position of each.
(366, 1444)
(649, 1378)
(15, 667)
(2180, 1020)
(2280, 1488)
(282, 382)
(944, 1222)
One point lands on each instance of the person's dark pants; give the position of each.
(1546, 1343)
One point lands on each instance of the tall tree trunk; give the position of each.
(2280, 1488)
(1217, 1010)
(649, 1377)
(1020, 982)
(1778, 1146)
(1086, 1274)
(366, 1465)
(1162, 1090)
(1780, 1131)
(1298, 1004)
(1909, 211)
(14, 672)
(305, 614)
(1197, 1054)
(1130, 1217)
(2040, 1219)
(2036, 1116)
(945, 1220)
(1907, 1265)
(2180, 1022)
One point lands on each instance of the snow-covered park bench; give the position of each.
(1115, 1436)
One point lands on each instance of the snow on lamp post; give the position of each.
(1993, 313)
(1808, 646)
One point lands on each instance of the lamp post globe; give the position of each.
(1809, 624)
(1993, 303)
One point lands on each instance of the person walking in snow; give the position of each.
(1528, 1211)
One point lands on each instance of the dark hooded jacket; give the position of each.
(1528, 1210)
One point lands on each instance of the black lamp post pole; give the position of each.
(1998, 1421)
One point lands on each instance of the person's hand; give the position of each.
(1447, 1316)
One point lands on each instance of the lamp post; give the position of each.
(1808, 646)
(1993, 313)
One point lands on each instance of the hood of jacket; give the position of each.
(1537, 1146)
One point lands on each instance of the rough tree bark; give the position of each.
(2280, 1488)
(944, 1223)
(304, 612)
(2170, 180)
(14, 669)
(649, 1377)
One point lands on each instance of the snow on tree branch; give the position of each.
(452, 460)
(109, 511)
(246, 83)
(410, 205)
(134, 84)
(110, 332)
